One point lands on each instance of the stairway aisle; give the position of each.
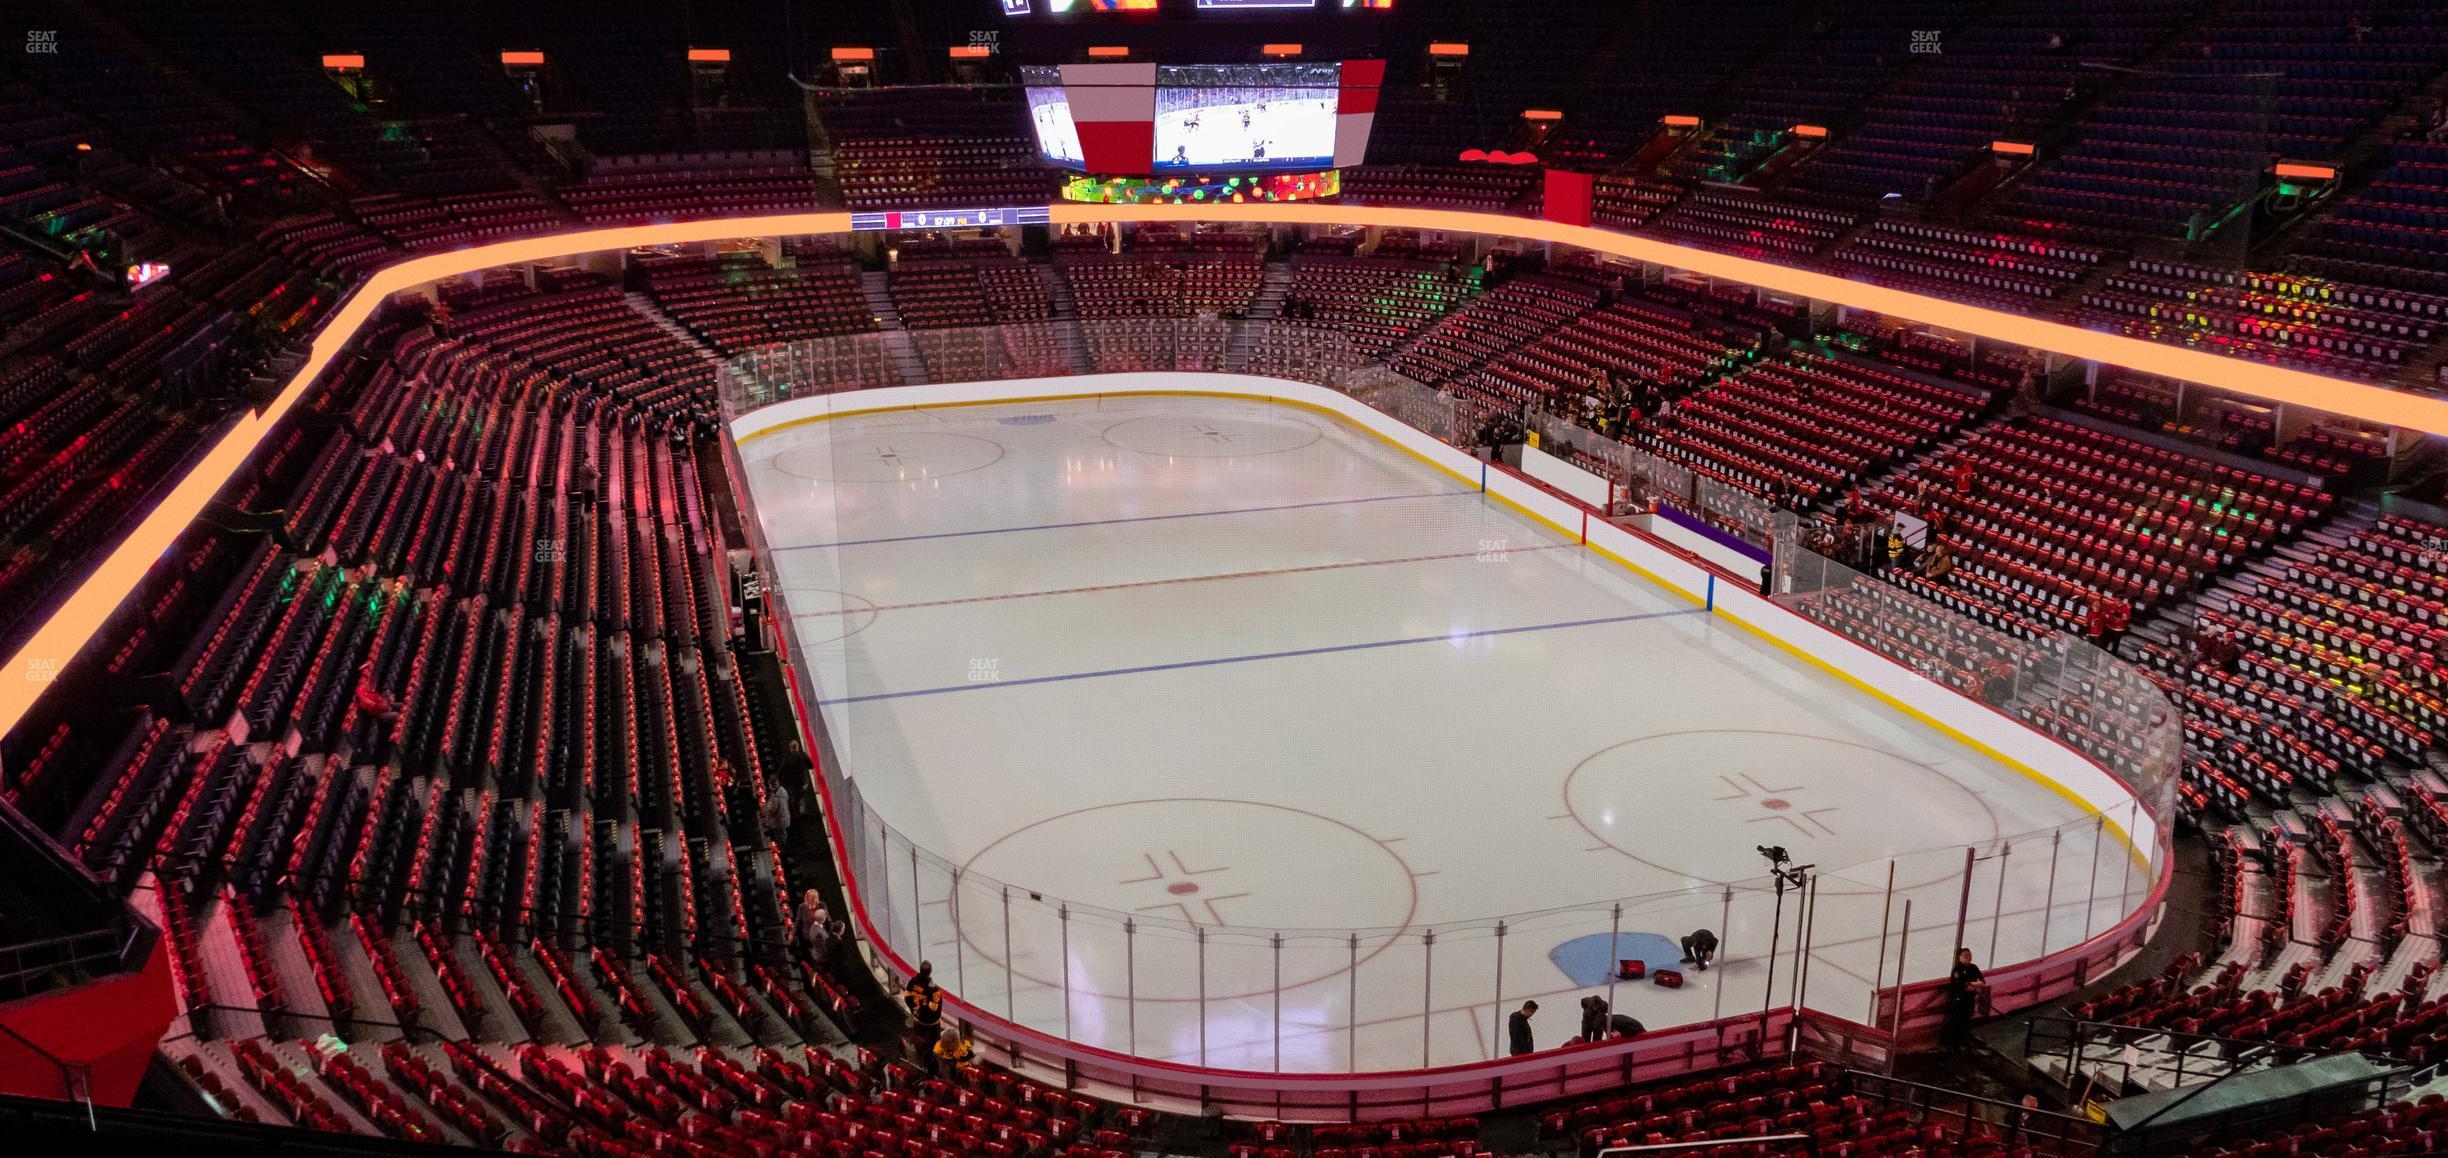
(645, 307)
(876, 287)
(1065, 318)
(1264, 309)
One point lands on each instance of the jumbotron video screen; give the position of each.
(1245, 116)
(1050, 117)
(1199, 120)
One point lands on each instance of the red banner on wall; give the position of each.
(1568, 197)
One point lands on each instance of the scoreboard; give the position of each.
(1192, 91)
(1142, 119)
(949, 218)
(1070, 7)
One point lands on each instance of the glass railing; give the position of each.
(1334, 1000)
(2055, 684)
(1647, 482)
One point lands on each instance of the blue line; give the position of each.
(1131, 519)
(1306, 651)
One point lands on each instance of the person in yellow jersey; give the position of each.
(925, 1004)
(952, 1050)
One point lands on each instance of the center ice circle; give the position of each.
(1698, 804)
(1239, 870)
(884, 456)
(1211, 435)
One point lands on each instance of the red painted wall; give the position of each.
(109, 1027)
(1568, 197)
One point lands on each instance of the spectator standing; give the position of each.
(2018, 1118)
(1517, 1030)
(776, 816)
(837, 934)
(925, 1003)
(815, 928)
(1964, 987)
(584, 480)
(818, 939)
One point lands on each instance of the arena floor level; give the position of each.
(1186, 673)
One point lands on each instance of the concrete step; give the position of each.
(876, 287)
(905, 356)
(1265, 307)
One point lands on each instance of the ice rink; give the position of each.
(1221, 668)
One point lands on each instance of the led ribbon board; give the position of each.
(948, 218)
(1209, 188)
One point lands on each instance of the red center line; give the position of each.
(1185, 579)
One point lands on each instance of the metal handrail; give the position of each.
(1710, 1144)
(2072, 1133)
(23, 949)
(2238, 1050)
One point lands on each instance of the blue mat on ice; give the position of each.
(1588, 960)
